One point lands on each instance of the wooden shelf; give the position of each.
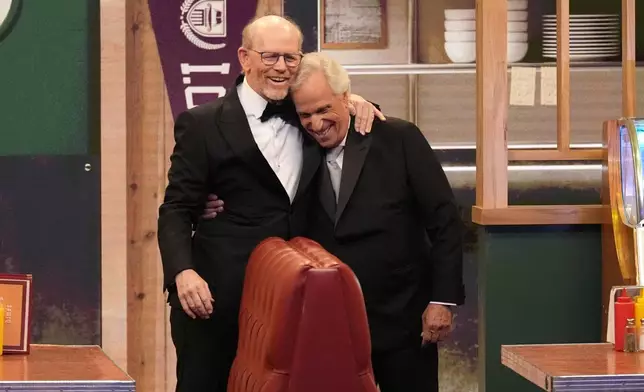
(556, 155)
(542, 215)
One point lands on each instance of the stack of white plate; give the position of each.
(460, 33)
(517, 30)
(592, 37)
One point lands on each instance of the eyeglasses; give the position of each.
(271, 58)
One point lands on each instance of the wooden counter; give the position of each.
(62, 368)
(576, 367)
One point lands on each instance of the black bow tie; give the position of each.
(284, 110)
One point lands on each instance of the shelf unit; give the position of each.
(491, 69)
(492, 153)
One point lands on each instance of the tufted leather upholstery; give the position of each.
(302, 323)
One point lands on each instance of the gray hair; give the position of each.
(335, 74)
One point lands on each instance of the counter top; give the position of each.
(82, 368)
(576, 367)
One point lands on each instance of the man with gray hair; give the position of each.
(383, 206)
(245, 147)
(386, 209)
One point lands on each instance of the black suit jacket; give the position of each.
(215, 153)
(396, 225)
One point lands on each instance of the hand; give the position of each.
(364, 112)
(213, 207)
(437, 323)
(194, 294)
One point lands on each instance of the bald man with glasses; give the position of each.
(246, 148)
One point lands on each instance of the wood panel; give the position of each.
(540, 215)
(491, 104)
(628, 59)
(113, 180)
(563, 75)
(557, 155)
(147, 118)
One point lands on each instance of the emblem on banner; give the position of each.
(202, 21)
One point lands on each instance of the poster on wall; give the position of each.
(197, 42)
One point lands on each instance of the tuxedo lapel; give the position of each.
(311, 158)
(327, 196)
(236, 131)
(355, 153)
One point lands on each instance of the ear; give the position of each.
(346, 99)
(244, 59)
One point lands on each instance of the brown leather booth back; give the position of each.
(302, 323)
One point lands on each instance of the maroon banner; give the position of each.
(197, 42)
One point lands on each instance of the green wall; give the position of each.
(49, 136)
(536, 285)
(49, 79)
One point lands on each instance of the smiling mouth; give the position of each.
(324, 132)
(278, 80)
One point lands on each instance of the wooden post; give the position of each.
(491, 104)
(563, 75)
(628, 58)
(113, 180)
(148, 116)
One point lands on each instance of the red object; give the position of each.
(302, 323)
(624, 309)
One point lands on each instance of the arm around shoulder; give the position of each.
(440, 214)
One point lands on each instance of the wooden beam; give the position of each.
(556, 155)
(628, 59)
(147, 119)
(491, 104)
(541, 215)
(113, 180)
(563, 75)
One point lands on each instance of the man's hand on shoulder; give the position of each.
(194, 294)
(437, 323)
(214, 206)
(364, 111)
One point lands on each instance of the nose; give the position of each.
(280, 65)
(316, 123)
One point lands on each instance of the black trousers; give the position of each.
(205, 351)
(409, 369)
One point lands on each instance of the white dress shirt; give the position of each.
(279, 142)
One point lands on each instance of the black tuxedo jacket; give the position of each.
(396, 225)
(215, 153)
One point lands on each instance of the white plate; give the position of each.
(612, 53)
(460, 14)
(577, 50)
(585, 57)
(583, 29)
(591, 16)
(583, 48)
(605, 20)
(590, 49)
(588, 52)
(585, 42)
(577, 43)
(583, 34)
(584, 23)
(517, 16)
(517, 5)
